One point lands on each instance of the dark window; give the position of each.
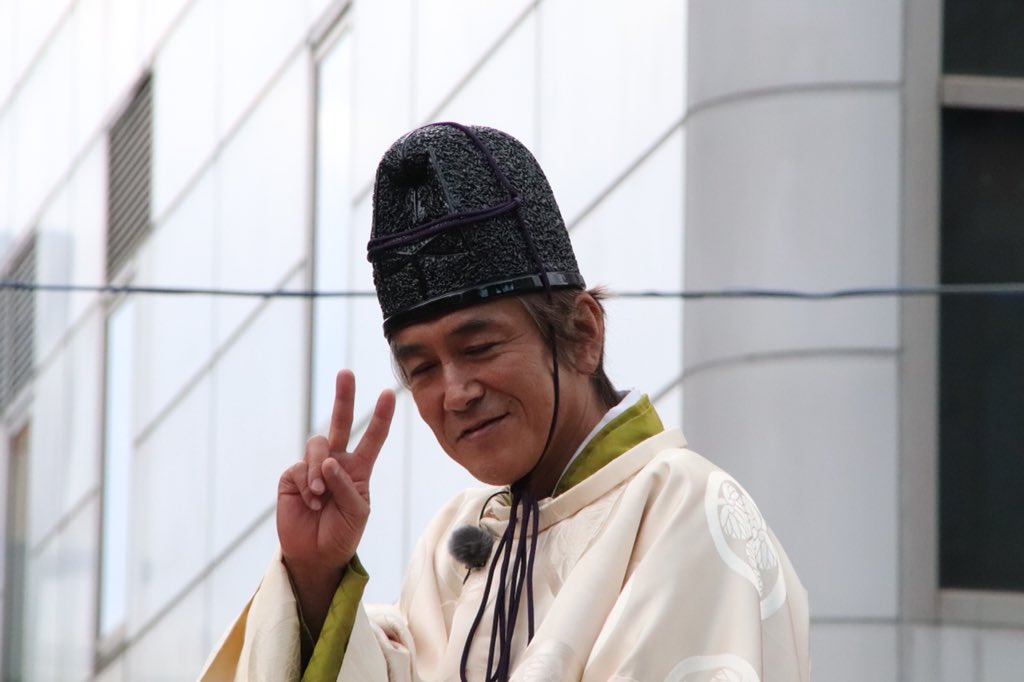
(129, 149)
(984, 37)
(982, 352)
(17, 325)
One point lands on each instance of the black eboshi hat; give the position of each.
(463, 214)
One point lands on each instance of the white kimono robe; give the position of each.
(659, 566)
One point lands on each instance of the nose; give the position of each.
(461, 389)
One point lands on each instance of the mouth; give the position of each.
(480, 426)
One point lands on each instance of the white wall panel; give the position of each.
(82, 432)
(502, 94)
(157, 17)
(124, 53)
(186, 97)
(8, 48)
(643, 343)
(88, 226)
(70, 249)
(60, 601)
(369, 356)
(235, 580)
(61, 572)
(54, 246)
(258, 417)
(382, 73)
(35, 20)
(42, 134)
(177, 331)
(8, 169)
(854, 652)
(1002, 654)
(670, 407)
(609, 92)
(793, 192)
(42, 622)
(808, 180)
(170, 505)
(77, 575)
(90, 73)
(940, 654)
(381, 550)
(814, 440)
(264, 188)
(735, 47)
(175, 648)
(255, 40)
(633, 241)
(47, 447)
(318, 8)
(450, 37)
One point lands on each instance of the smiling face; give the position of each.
(481, 379)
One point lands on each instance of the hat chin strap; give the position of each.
(515, 572)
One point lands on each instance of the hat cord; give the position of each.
(512, 582)
(437, 226)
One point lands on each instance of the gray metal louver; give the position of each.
(129, 145)
(18, 325)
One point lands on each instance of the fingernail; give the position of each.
(317, 486)
(315, 504)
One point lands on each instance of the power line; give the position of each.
(939, 290)
(178, 291)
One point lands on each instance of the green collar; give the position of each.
(629, 429)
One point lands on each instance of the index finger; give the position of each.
(341, 415)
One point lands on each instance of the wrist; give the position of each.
(312, 574)
(314, 585)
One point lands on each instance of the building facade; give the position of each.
(227, 148)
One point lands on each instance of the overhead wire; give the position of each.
(909, 291)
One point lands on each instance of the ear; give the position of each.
(588, 323)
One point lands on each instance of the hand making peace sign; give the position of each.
(323, 500)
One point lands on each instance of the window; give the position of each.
(117, 458)
(333, 210)
(16, 537)
(17, 325)
(984, 37)
(129, 145)
(981, 370)
(130, 150)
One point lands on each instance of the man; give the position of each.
(603, 548)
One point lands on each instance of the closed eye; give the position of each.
(480, 349)
(419, 369)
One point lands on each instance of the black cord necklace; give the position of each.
(515, 556)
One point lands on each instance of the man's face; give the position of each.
(481, 379)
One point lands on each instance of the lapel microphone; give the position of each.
(471, 546)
